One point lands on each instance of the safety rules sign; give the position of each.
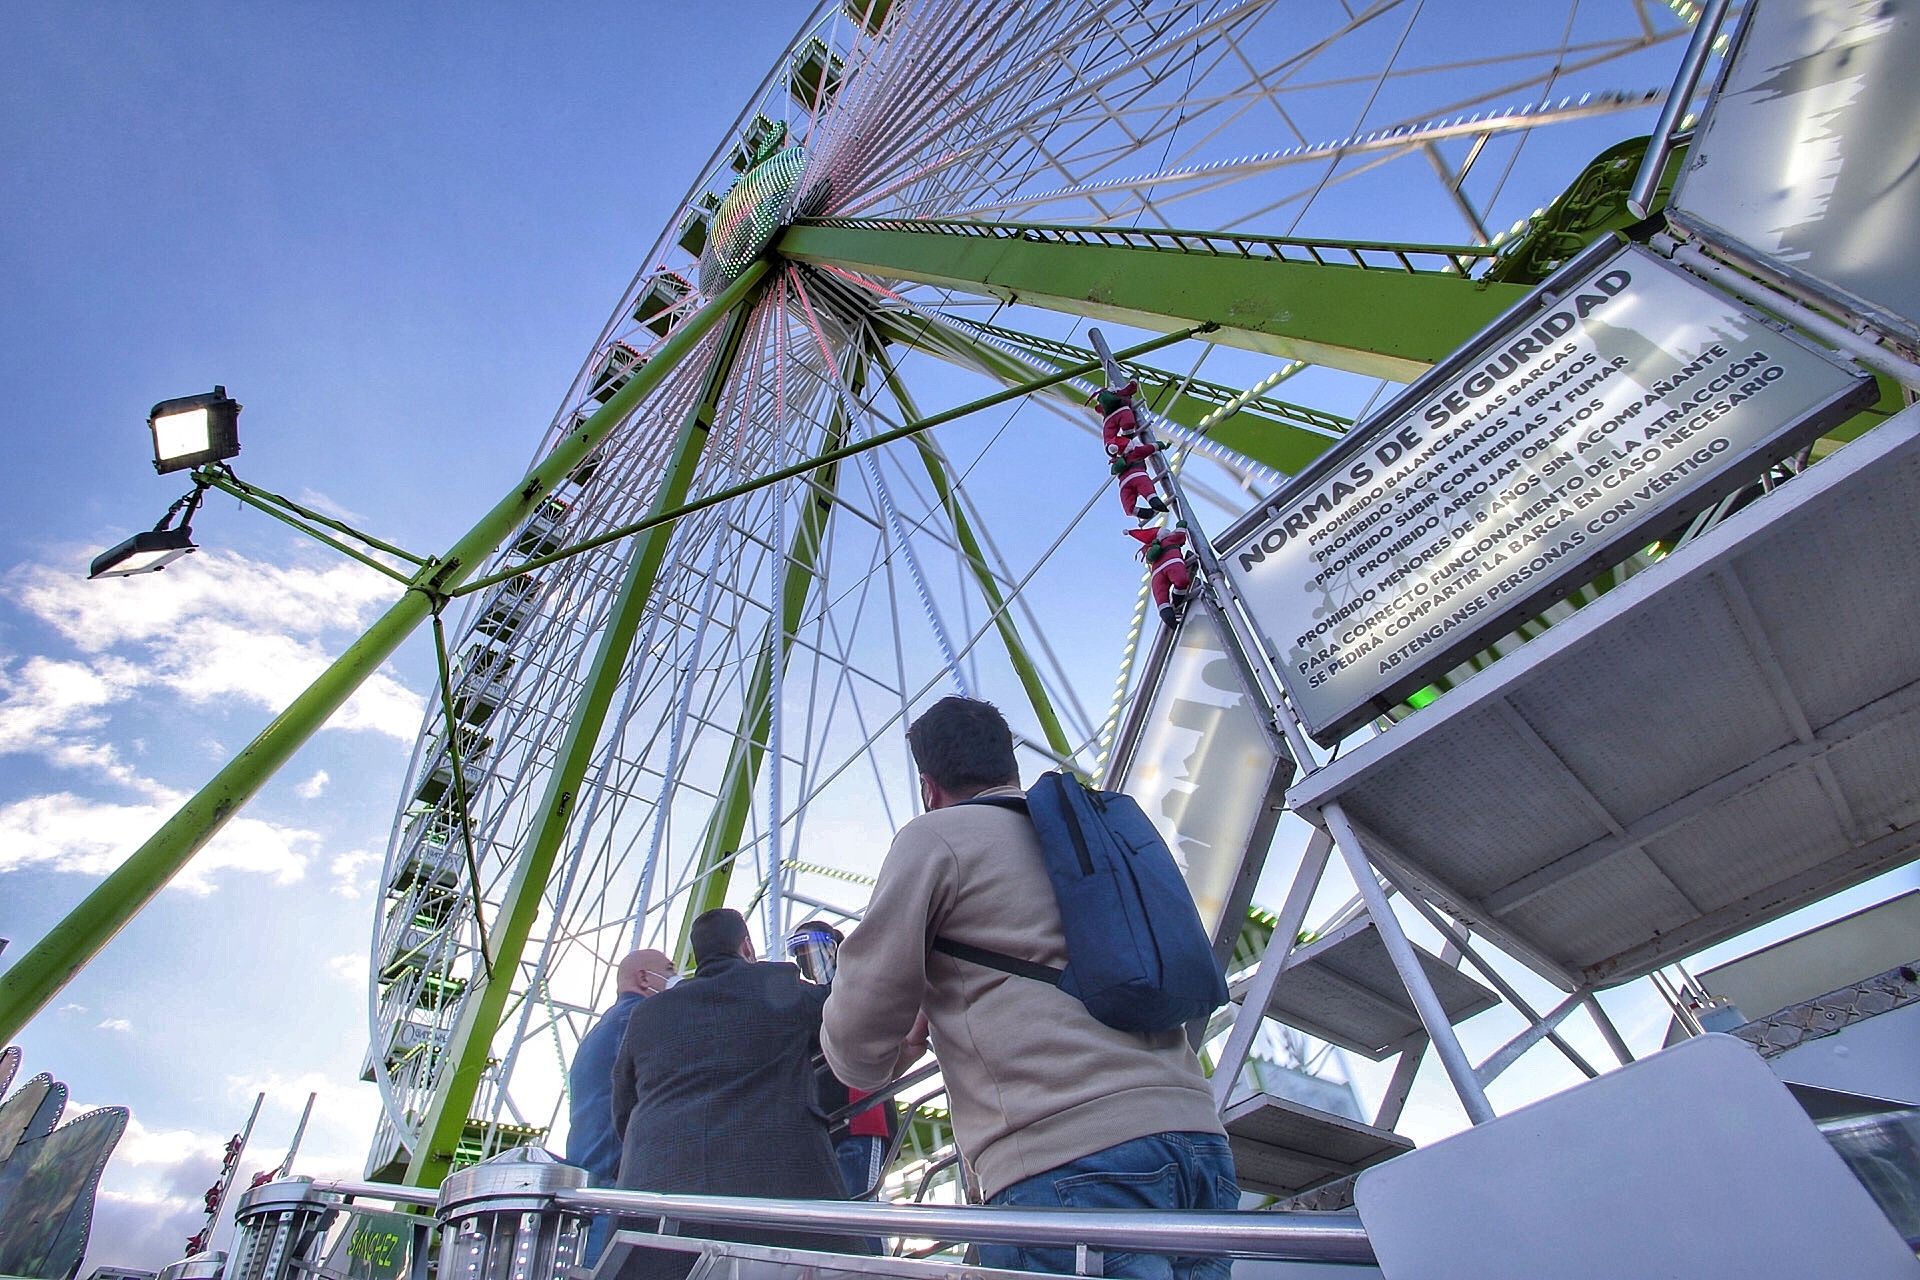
(1619, 399)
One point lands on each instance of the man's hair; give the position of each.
(717, 933)
(964, 746)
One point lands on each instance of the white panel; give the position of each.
(1806, 154)
(1695, 1162)
(1619, 396)
(1878, 1057)
(1823, 959)
(1203, 770)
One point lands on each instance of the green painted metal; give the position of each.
(226, 482)
(714, 499)
(1277, 433)
(1318, 301)
(266, 499)
(1017, 655)
(1212, 396)
(1593, 205)
(713, 872)
(471, 1042)
(46, 967)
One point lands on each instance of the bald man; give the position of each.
(591, 1141)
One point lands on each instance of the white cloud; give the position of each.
(46, 698)
(313, 788)
(66, 832)
(142, 1230)
(224, 628)
(117, 1024)
(73, 1008)
(150, 1192)
(47, 706)
(346, 870)
(219, 585)
(157, 1148)
(149, 1201)
(228, 630)
(351, 969)
(336, 1141)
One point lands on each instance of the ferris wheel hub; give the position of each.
(767, 197)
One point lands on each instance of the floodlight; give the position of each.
(191, 430)
(147, 552)
(156, 548)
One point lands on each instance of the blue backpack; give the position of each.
(1137, 954)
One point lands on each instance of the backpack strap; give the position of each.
(1016, 803)
(985, 956)
(999, 960)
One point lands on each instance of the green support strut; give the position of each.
(470, 1046)
(713, 872)
(39, 974)
(1023, 665)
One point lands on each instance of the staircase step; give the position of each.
(1343, 989)
(1282, 1148)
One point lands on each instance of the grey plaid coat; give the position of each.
(713, 1094)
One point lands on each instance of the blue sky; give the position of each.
(393, 232)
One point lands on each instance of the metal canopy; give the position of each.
(1281, 1148)
(1343, 989)
(1728, 736)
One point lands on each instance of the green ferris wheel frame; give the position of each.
(1244, 298)
(1381, 309)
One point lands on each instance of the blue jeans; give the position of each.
(600, 1228)
(859, 1157)
(1161, 1171)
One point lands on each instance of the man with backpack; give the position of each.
(1051, 1106)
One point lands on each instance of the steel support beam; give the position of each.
(1275, 442)
(819, 460)
(1433, 1015)
(1266, 978)
(1324, 313)
(45, 968)
(470, 1045)
(713, 872)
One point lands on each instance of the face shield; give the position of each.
(816, 951)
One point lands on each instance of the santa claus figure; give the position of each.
(1172, 582)
(1120, 428)
(1138, 496)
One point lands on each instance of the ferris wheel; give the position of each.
(924, 204)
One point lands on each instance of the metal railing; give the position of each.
(392, 1192)
(1328, 1237)
(1368, 255)
(1293, 1237)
